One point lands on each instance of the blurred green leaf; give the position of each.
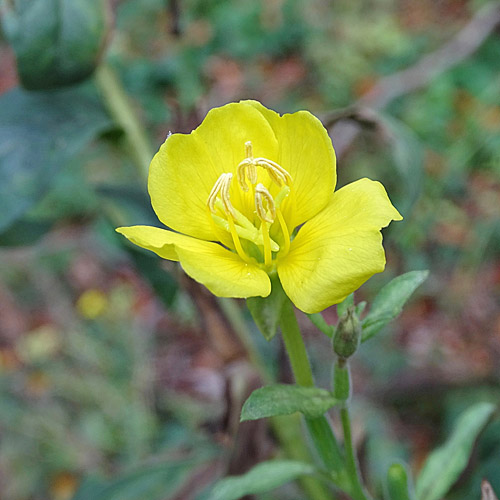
(343, 306)
(319, 322)
(26, 232)
(408, 156)
(132, 204)
(266, 311)
(39, 133)
(280, 399)
(154, 482)
(398, 483)
(56, 42)
(445, 464)
(390, 301)
(263, 477)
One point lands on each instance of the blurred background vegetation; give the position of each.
(120, 378)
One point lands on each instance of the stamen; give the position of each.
(249, 150)
(286, 235)
(252, 234)
(264, 204)
(277, 173)
(237, 242)
(221, 187)
(266, 211)
(267, 243)
(248, 168)
(281, 196)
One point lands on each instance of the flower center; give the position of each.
(254, 236)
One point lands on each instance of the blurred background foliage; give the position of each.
(122, 379)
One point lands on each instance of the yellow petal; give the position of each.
(334, 253)
(306, 152)
(186, 167)
(224, 273)
(220, 270)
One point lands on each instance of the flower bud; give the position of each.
(347, 335)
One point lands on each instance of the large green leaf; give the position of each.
(390, 301)
(39, 133)
(275, 400)
(56, 42)
(445, 464)
(264, 477)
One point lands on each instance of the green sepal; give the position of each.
(266, 311)
(348, 334)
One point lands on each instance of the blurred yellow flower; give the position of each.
(249, 194)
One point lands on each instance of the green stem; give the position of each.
(286, 428)
(121, 109)
(319, 428)
(357, 490)
(295, 346)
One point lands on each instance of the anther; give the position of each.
(264, 204)
(221, 187)
(249, 150)
(277, 173)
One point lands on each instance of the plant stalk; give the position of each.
(357, 490)
(120, 108)
(319, 428)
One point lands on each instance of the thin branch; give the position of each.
(461, 46)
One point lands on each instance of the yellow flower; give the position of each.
(249, 194)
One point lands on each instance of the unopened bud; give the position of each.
(347, 335)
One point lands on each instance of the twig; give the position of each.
(462, 45)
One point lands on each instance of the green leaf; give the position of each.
(319, 322)
(27, 232)
(39, 133)
(398, 483)
(56, 42)
(343, 306)
(154, 482)
(266, 311)
(408, 156)
(264, 477)
(390, 301)
(445, 464)
(280, 399)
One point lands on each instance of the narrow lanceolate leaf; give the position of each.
(275, 400)
(399, 486)
(264, 477)
(444, 465)
(390, 301)
(56, 42)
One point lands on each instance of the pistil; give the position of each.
(225, 216)
(266, 211)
